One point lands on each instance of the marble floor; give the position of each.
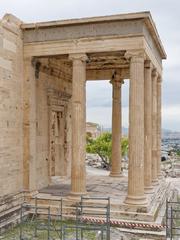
(99, 184)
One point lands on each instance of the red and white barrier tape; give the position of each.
(124, 224)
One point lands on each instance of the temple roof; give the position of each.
(146, 16)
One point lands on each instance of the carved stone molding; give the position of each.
(57, 97)
(159, 80)
(117, 80)
(155, 73)
(136, 54)
(78, 56)
(148, 64)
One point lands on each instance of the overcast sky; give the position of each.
(166, 14)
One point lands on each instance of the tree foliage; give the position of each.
(103, 147)
(124, 146)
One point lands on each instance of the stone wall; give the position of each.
(11, 114)
(45, 83)
(11, 73)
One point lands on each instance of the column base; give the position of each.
(149, 190)
(155, 182)
(160, 176)
(77, 195)
(133, 200)
(113, 174)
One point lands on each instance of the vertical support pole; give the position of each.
(77, 221)
(167, 223)
(78, 171)
(154, 128)
(61, 218)
(108, 220)
(35, 227)
(159, 89)
(116, 127)
(49, 221)
(171, 237)
(148, 127)
(136, 194)
(21, 222)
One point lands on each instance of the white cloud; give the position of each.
(103, 116)
(171, 117)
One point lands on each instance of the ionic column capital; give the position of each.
(148, 64)
(117, 83)
(155, 74)
(78, 56)
(159, 80)
(136, 55)
(117, 80)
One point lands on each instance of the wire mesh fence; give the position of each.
(83, 232)
(86, 212)
(43, 220)
(173, 220)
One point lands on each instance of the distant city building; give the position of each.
(93, 130)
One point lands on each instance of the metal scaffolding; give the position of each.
(39, 222)
(86, 213)
(42, 219)
(173, 220)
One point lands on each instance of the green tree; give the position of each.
(103, 147)
(124, 146)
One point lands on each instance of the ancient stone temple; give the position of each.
(43, 72)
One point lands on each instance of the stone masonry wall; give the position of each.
(43, 83)
(11, 73)
(11, 112)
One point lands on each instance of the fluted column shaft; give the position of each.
(148, 127)
(159, 87)
(116, 127)
(154, 128)
(78, 171)
(136, 133)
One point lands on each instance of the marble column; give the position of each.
(116, 127)
(159, 87)
(78, 171)
(136, 194)
(148, 127)
(154, 128)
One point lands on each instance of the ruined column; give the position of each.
(136, 194)
(78, 171)
(116, 127)
(159, 88)
(154, 128)
(148, 127)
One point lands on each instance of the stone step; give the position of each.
(69, 210)
(9, 211)
(118, 211)
(10, 204)
(13, 220)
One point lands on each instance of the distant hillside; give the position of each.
(170, 134)
(166, 133)
(124, 130)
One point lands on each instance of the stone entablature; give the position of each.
(120, 25)
(139, 27)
